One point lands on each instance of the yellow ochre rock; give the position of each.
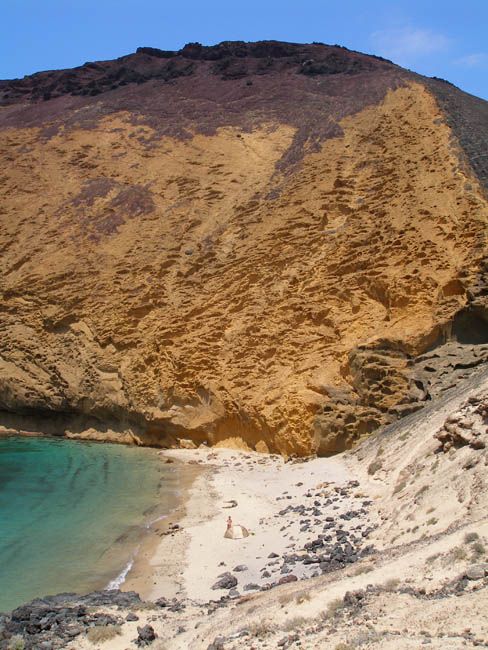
(192, 289)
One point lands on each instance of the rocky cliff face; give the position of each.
(271, 245)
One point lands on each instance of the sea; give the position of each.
(73, 514)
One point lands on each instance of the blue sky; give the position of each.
(445, 38)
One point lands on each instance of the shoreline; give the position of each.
(181, 554)
(362, 545)
(163, 508)
(188, 551)
(158, 555)
(97, 437)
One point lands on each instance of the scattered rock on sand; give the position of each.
(225, 581)
(288, 578)
(146, 635)
(476, 571)
(287, 641)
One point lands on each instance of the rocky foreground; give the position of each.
(384, 547)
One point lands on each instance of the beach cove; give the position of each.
(341, 550)
(74, 515)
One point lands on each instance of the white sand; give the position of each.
(423, 503)
(254, 481)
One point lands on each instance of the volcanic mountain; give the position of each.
(266, 245)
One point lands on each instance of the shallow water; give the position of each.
(72, 514)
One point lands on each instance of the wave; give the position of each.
(117, 582)
(151, 523)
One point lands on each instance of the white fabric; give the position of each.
(236, 532)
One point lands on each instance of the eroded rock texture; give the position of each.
(467, 427)
(263, 244)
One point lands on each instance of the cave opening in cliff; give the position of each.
(471, 327)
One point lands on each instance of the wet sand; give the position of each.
(158, 565)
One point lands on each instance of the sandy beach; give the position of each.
(362, 549)
(182, 561)
(158, 564)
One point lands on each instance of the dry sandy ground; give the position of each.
(254, 482)
(423, 510)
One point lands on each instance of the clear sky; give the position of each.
(445, 38)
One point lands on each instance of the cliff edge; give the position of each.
(262, 245)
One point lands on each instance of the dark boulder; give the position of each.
(146, 635)
(225, 581)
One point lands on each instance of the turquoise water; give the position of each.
(72, 514)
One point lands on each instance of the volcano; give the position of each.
(261, 245)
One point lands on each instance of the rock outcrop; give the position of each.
(467, 426)
(266, 245)
(53, 622)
